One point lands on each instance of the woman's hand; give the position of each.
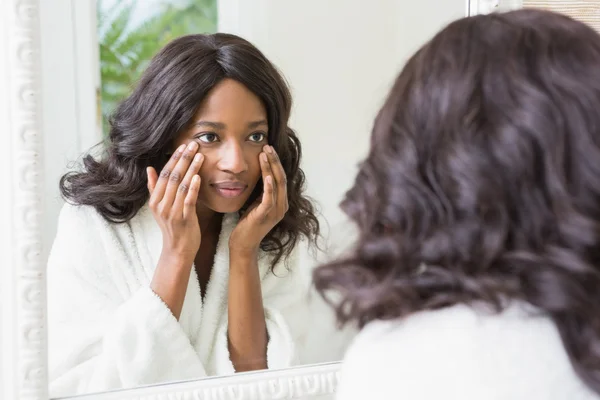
(267, 211)
(173, 196)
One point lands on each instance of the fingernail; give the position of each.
(181, 148)
(270, 149)
(197, 157)
(192, 145)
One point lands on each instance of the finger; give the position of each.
(268, 199)
(178, 173)
(268, 173)
(185, 185)
(163, 177)
(278, 173)
(265, 166)
(276, 167)
(189, 204)
(152, 177)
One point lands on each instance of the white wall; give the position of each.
(340, 57)
(70, 79)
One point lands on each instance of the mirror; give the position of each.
(109, 327)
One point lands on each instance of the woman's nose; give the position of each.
(232, 159)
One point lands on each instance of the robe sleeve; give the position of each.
(106, 331)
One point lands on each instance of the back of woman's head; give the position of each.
(163, 104)
(483, 181)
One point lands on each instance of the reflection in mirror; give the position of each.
(181, 242)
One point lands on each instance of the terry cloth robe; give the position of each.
(462, 353)
(109, 330)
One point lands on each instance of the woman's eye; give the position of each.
(208, 138)
(257, 137)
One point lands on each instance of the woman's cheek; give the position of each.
(255, 162)
(206, 165)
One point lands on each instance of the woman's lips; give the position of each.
(229, 189)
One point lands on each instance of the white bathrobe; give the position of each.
(462, 353)
(107, 328)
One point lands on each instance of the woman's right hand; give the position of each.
(173, 196)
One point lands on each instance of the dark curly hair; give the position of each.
(162, 105)
(482, 183)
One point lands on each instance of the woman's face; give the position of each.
(231, 129)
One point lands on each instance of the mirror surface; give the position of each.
(128, 303)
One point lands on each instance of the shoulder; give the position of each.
(464, 352)
(77, 214)
(90, 252)
(78, 230)
(83, 232)
(83, 223)
(78, 223)
(451, 328)
(286, 282)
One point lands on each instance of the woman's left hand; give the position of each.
(267, 211)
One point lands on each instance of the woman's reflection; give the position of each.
(198, 197)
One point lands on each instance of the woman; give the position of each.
(170, 259)
(477, 269)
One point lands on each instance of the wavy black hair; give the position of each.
(482, 182)
(163, 104)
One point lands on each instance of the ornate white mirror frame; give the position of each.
(23, 328)
(22, 281)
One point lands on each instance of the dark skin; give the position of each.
(216, 166)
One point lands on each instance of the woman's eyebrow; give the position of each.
(256, 124)
(220, 125)
(214, 125)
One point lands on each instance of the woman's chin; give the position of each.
(223, 206)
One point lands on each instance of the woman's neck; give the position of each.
(209, 220)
